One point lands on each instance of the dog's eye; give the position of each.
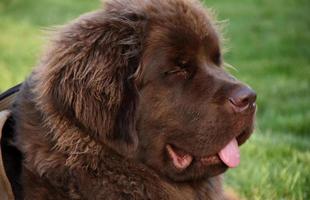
(176, 70)
(181, 69)
(183, 64)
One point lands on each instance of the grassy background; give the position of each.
(269, 44)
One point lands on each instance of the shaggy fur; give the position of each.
(113, 89)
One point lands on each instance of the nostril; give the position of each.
(242, 98)
(239, 102)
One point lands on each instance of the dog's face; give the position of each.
(192, 114)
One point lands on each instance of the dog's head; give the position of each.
(146, 79)
(192, 114)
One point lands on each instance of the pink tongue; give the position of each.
(230, 154)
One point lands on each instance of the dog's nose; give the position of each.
(242, 98)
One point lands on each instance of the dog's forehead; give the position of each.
(184, 25)
(181, 42)
(183, 16)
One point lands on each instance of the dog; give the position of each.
(132, 102)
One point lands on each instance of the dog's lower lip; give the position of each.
(208, 160)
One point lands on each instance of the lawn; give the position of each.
(269, 44)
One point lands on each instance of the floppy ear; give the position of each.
(84, 80)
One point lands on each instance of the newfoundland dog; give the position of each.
(132, 102)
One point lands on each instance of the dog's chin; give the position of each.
(196, 171)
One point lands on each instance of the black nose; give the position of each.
(242, 98)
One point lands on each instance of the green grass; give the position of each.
(269, 44)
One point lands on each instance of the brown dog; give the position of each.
(131, 102)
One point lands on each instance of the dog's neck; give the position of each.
(204, 189)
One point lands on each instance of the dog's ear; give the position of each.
(86, 76)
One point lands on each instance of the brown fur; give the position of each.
(113, 88)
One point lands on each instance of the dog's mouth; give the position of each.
(229, 155)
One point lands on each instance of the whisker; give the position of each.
(227, 65)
